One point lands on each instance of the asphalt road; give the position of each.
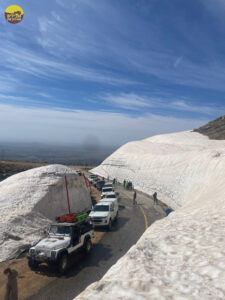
(126, 231)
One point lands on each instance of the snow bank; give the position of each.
(30, 201)
(183, 255)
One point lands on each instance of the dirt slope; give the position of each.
(215, 130)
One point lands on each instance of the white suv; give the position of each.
(104, 213)
(107, 190)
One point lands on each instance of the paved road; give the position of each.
(88, 269)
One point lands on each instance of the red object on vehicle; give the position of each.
(67, 193)
(67, 218)
(85, 180)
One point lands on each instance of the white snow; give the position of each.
(30, 201)
(183, 255)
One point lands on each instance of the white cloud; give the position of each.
(71, 126)
(132, 101)
(28, 62)
(128, 101)
(178, 60)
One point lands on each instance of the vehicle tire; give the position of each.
(33, 264)
(63, 263)
(88, 246)
(110, 225)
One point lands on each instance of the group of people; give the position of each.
(127, 185)
(154, 198)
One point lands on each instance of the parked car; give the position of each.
(78, 172)
(106, 190)
(108, 184)
(96, 181)
(109, 196)
(104, 213)
(100, 184)
(91, 178)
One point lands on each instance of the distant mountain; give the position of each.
(215, 130)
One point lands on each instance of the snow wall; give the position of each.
(183, 255)
(30, 201)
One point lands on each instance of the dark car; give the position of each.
(96, 181)
(100, 184)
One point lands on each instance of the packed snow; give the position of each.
(183, 255)
(30, 201)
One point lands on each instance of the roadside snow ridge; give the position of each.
(183, 255)
(30, 201)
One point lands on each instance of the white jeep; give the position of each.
(63, 239)
(104, 213)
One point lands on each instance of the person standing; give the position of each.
(11, 286)
(155, 198)
(134, 198)
(124, 182)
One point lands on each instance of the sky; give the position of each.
(111, 70)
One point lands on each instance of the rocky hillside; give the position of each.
(215, 130)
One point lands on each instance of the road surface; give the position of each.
(85, 270)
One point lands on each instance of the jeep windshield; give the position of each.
(101, 208)
(55, 229)
(105, 190)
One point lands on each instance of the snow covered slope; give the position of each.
(183, 255)
(175, 165)
(30, 201)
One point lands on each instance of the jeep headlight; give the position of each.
(53, 254)
(32, 251)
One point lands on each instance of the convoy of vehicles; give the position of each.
(75, 232)
(105, 212)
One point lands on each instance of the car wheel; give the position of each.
(88, 246)
(63, 263)
(110, 225)
(33, 264)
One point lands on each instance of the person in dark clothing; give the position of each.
(124, 183)
(114, 181)
(155, 198)
(11, 292)
(134, 198)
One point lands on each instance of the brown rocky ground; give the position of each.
(8, 168)
(215, 130)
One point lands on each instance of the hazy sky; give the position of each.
(114, 69)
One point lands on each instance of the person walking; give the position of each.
(134, 198)
(11, 292)
(155, 198)
(124, 183)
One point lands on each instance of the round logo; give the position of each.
(14, 14)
